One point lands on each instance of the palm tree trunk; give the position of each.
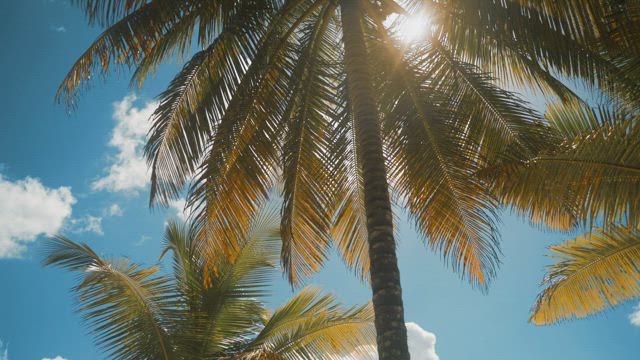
(385, 276)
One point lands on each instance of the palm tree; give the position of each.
(207, 311)
(318, 96)
(591, 177)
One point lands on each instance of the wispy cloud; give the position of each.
(55, 358)
(142, 241)
(29, 209)
(59, 28)
(86, 224)
(128, 172)
(114, 210)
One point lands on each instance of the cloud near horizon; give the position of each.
(422, 345)
(128, 172)
(29, 209)
(58, 357)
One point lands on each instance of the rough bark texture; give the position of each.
(385, 276)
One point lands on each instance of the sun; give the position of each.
(414, 27)
(410, 27)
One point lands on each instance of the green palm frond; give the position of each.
(131, 309)
(312, 325)
(224, 298)
(593, 272)
(209, 308)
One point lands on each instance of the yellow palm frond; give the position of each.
(594, 173)
(312, 325)
(595, 271)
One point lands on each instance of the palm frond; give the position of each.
(130, 308)
(306, 188)
(349, 229)
(241, 162)
(508, 40)
(226, 301)
(123, 43)
(104, 12)
(593, 174)
(312, 325)
(594, 271)
(433, 171)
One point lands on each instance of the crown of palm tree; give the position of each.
(207, 311)
(265, 101)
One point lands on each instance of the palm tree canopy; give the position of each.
(204, 310)
(264, 102)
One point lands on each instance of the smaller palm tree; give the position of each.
(207, 309)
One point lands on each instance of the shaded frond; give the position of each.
(307, 189)
(593, 174)
(433, 171)
(123, 43)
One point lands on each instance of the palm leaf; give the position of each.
(306, 196)
(312, 325)
(593, 174)
(131, 309)
(593, 272)
(125, 42)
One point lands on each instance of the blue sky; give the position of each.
(80, 175)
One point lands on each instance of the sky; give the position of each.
(82, 175)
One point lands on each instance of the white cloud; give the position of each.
(86, 224)
(29, 209)
(634, 317)
(143, 239)
(55, 358)
(128, 173)
(59, 29)
(422, 345)
(114, 210)
(4, 351)
(179, 208)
